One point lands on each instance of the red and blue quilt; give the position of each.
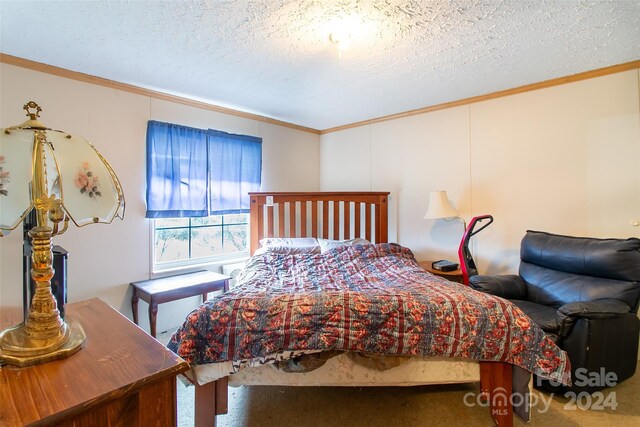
(371, 299)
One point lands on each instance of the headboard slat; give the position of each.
(367, 221)
(304, 218)
(378, 232)
(280, 219)
(292, 219)
(358, 214)
(347, 221)
(325, 220)
(314, 219)
(269, 223)
(336, 220)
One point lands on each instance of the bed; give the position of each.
(227, 343)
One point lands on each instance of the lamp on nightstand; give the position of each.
(440, 208)
(62, 177)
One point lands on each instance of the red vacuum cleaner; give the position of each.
(467, 264)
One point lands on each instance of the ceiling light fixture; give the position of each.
(345, 28)
(342, 39)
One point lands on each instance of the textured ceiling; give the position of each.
(274, 57)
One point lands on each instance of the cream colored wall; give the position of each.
(564, 159)
(104, 259)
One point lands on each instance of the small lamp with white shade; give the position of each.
(440, 208)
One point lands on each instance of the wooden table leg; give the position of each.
(134, 306)
(153, 314)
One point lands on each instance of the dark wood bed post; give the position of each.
(496, 386)
(256, 213)
(382, 215)
(211, 399)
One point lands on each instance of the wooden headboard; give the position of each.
(326, 215)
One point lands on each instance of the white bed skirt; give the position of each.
(342, 371)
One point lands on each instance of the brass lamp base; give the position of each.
(18, 348)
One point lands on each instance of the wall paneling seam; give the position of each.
(370, 159)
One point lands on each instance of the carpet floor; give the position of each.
(441, 405)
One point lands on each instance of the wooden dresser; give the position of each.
(122, 377)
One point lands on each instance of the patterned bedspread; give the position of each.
(368, 299)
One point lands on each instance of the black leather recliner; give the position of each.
(584, 293)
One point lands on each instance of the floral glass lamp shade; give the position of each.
(63, 178)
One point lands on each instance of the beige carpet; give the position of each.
(402, 406)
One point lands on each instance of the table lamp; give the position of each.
(62, 177)
(440, 208)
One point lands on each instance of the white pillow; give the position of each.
(291, 246)
(326, 245)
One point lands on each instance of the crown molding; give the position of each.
(87, 78)
(627, 66)
(74, 75)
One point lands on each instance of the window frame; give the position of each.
(199, 261)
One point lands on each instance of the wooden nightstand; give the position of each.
(121, 377)
(454, 276)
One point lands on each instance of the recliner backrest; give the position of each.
(561, 269)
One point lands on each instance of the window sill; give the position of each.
(208, 264)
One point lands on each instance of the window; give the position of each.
(177, 240)
(197, 192)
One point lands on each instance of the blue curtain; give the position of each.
(235, 167)
(194, 172)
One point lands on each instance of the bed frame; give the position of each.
(336, 215)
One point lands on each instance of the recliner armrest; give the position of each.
(599, 309)
(595, 309)
(509, 286)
